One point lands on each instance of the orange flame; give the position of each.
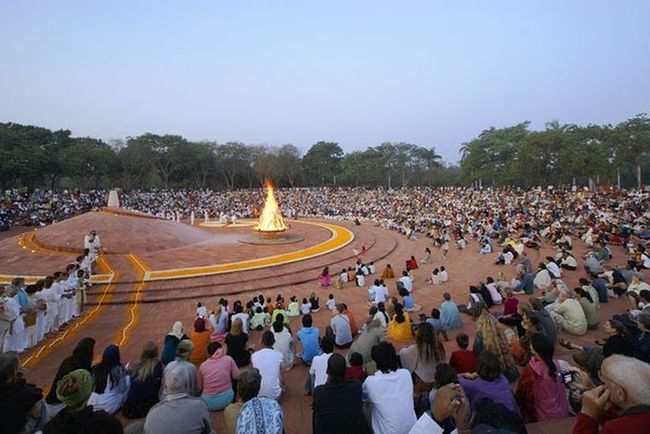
(271, 218)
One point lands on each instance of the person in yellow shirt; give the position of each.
(399, 328)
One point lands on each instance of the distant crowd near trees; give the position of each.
(35, 157)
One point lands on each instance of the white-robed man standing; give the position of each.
(93, 244)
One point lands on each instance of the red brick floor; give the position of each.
(155, 319)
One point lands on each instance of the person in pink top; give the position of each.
(215, 377)
(540, 392)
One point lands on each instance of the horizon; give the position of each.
(360, 74)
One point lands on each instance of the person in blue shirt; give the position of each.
(308, 337)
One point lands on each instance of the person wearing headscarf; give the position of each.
(111, 382)
(200, 337)
(183, 352)
(81, 358)
(74, 390)
(178, 412)
(171, 342)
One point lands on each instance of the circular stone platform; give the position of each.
(285, 238)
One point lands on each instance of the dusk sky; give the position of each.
(358, 73)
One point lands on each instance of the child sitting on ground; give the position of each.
(314, 301)
(331, 303)
(294, 307)
(257, 321)
(443, 276)
(305, 309)
(355, 370)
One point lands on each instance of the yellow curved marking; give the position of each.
(74, 328)
(341, 237)
(135, 306)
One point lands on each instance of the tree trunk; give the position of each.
(618, 177)
(638, 176)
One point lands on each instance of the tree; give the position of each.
(233, 161)
(634, 137)
(490, 155)
(290, 163)
(322, 163)
(88, 159)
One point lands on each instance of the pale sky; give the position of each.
(359, 73)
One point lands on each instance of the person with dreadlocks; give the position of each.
(490, 336)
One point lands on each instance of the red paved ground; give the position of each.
(155, 319)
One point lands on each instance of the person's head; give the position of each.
(9, 362)
(581, 293)
(381, 306)
(249, 383)
(643, 321)
(199, 325)
(184, 350)
(583, 281)
(445, 374)
(446, 296)
(307, 321)
(399, 313)
(340, 308)
(435, 313)
(462, 340)
(615, 327)
(236, 327)
(148, 361)
(75, 388)
(543, 349)
(278, 324)
(385, 357)
(213, 347)
(405, 273)
(488, 367)
(442, 268)
(536, 303)
(178, 380)
(490, 280)
(268, 339)
(327, 345)
(330, 297)
(627, 380)
(403, 292)
(304, 301)
(335, 368)
(356, 359)
(84, 350)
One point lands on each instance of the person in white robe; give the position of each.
(93, 244)
(15, 339)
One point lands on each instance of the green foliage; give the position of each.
(559, 154)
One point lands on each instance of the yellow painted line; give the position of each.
(134, 310)
(78, 325)
(341, 237)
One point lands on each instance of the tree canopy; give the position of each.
(35, 157)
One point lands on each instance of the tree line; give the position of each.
(36, 157)
(591, 155)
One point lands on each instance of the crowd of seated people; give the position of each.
(361, 371)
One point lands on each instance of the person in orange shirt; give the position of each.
(200, 337)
